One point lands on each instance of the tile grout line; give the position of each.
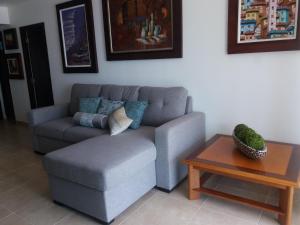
(135, 210)
(3, 218)
(269, 197)
(260, 218)
(219, 183)
(13, 213)
(65, 217)
(203, 202)
(207, 197)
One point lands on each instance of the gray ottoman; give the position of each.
(104, 175)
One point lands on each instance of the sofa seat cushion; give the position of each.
(106, 161)
(55, 128)
(78, 133)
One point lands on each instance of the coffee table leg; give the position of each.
(286, 204)
(194, 182)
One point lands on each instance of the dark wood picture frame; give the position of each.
(267, 46)
(2, 47)
(175, 52)
(92, 67)
(15, 71)
(13, 43)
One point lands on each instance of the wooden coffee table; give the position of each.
(280, 169)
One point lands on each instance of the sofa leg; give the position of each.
(163, 190)
(104, 223)
(39, 153)
(169, 191)
(97, 220)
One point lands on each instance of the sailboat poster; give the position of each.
(76, 44)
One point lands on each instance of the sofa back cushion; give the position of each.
(82, 91)
(120, 93)
(165, 104)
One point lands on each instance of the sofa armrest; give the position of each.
(174, 141)
(45, 114)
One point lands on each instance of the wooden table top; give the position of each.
(281, 165)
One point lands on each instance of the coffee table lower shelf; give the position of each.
(284, 210)
(241, 200)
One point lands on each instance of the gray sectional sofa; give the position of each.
(102, 175)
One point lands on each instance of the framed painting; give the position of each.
(1, 43)
(14, 65)
(142, 29)
(11, 39)
(77, 36)
(263, 26)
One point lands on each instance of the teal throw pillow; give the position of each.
(89, 105)
(135, 111)
(109, 106)
(91, 120)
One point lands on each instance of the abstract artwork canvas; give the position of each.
(141, 29)
(263, 25)
(14, 64)
(267, 20)
(77, 36)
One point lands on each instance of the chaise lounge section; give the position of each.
(102, 175)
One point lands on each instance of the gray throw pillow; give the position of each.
(108, 106)
(90, 120)
(118, 121)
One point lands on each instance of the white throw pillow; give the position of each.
(118, 121)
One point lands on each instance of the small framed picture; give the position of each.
(77, 36)
(14, 64)
(11, 39)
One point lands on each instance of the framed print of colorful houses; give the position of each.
(263, 26)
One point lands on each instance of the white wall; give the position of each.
(261, 90)
(4, 15)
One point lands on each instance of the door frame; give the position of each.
(27, 61)
(5, 86)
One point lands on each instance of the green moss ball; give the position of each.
(249, 137)
(240, 131)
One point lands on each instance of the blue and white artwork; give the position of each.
(75, 36)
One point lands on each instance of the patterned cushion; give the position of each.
(135, 111)
(90, 120)
(89, 105)
(108, 106)
(118, 121)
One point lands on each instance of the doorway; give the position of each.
(36, 61)
(5, 86)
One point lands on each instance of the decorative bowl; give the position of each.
(248, 151)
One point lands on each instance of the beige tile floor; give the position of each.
(25, 198)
